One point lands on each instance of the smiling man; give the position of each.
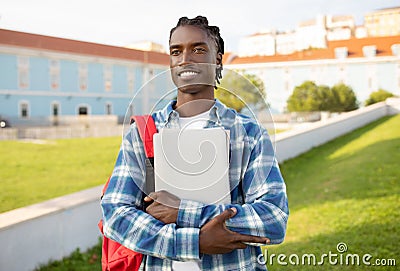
(181, 234)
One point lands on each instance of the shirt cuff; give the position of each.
(187, 240)
(189, 214)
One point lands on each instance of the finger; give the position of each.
(151, 196)
(225, 215)
(240, 245)
(252, 239)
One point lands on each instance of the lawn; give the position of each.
(346, 191)
(35, 171)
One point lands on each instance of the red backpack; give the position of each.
(116, 257)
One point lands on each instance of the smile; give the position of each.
(188, 74)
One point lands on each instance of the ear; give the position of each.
(219, 59)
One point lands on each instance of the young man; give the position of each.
(172, 230)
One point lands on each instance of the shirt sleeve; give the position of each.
(124, 222)
(265, 211)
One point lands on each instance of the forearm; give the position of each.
(126, 223)
(264, 215)
(260, 218)
(141, 232)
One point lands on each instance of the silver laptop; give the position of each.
(193, 164)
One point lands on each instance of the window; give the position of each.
(82, 110)
(108, 77)
(372, 77)
(398, 74)
(287, 78)
(23, 72)
(55, 112)
(54, 74)
(287, 85)
(369, 51)
(131, 79)
(108, 108)
(24, 110)
(341, 52)
(55, 109)
(395, 49)
(83, 76)
(342, 73)
(151, 72)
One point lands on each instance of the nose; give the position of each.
(185, 58)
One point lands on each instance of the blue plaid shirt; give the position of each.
(261, 202)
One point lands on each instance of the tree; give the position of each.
(305, 98)
(240, 90)
(343, 99)
(378, 96)
(309, 97)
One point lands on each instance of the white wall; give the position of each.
(53, 229)
(58, 132)
(49, 230)
(292, 143)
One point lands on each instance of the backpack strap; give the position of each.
(147, 128)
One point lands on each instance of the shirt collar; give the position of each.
(220, 115)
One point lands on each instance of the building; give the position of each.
(308, 34)
(340, 27)
(258, 44)
(311, 34)
(285, 43)
(147, 46)
(364, 64)
(43, 79)
(383, 22)
(360, 32)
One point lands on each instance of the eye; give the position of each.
(174, 52)
(199, 50)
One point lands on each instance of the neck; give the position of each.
(194, 107)
(191, 104)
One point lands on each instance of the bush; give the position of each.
(378, 96)
(309, 97)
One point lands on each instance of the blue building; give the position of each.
(43, 79)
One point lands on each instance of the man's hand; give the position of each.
(164, 206)
(216, 238)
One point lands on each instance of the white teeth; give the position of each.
(187, 73)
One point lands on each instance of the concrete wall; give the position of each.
(292, 143)
(69, 127)
(53, 229)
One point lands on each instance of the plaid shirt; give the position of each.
(261, 202)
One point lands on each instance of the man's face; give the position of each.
(193, 59)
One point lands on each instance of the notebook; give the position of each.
(193, 164)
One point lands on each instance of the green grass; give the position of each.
(344, 191)
(32, 172)
(90, 260)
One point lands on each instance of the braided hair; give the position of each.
(212, 32)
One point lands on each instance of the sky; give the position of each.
(123, 22)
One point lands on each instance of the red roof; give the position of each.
(354, 48)
(21, 39)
